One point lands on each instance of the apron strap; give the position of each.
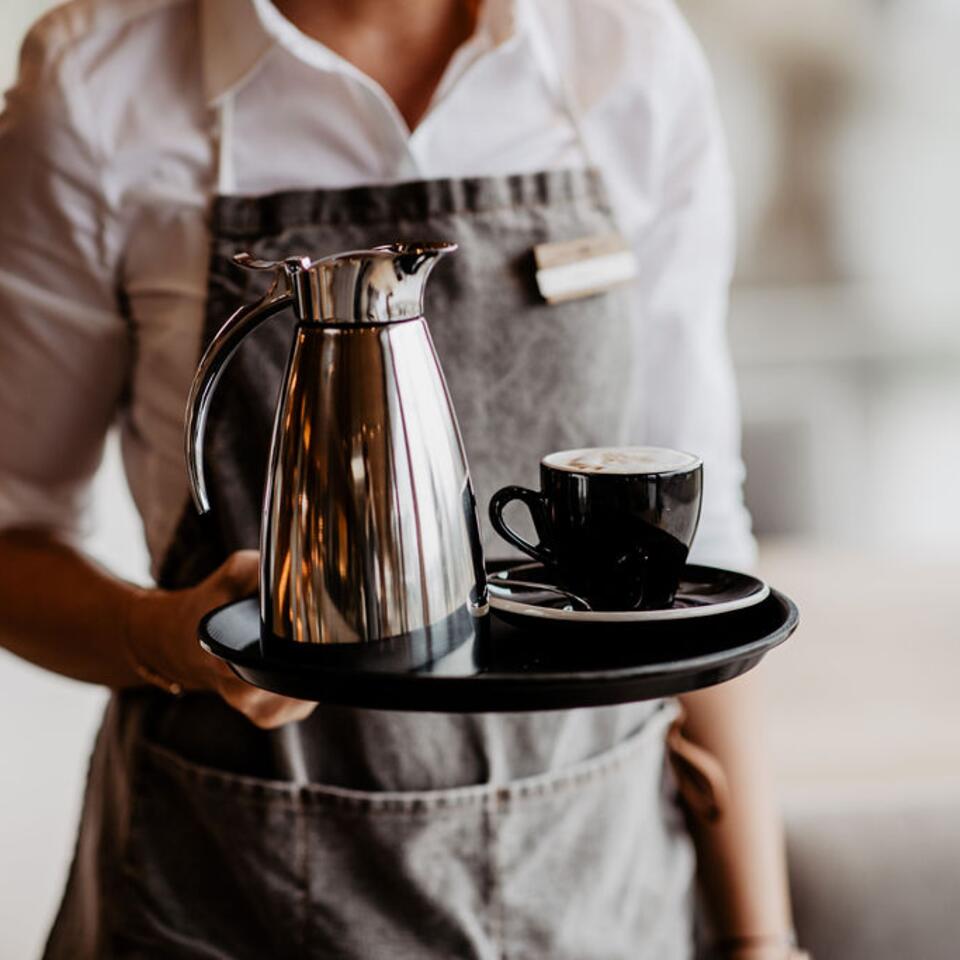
(548, 37)
(223, 146)
(542, 40)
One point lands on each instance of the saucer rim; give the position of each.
(518, 608)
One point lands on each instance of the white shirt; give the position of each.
(109, 158)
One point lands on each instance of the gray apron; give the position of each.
(367, 834)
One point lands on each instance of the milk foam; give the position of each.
(621, 460)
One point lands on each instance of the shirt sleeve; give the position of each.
(63, 341)
(685, 248)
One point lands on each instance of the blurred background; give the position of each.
(844, 127)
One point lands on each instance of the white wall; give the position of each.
(843, 324)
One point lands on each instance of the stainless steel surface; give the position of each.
(369, 524)
(212, 364)
(361, 286)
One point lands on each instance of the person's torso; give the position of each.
(494, 114)
(492, 822)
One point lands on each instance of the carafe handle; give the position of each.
(215, 358)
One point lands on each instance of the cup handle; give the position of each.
(534, 503)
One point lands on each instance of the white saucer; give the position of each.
(703, 592)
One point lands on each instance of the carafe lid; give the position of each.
(384, 284)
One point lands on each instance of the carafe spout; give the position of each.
(382, 285)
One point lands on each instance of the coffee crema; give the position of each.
(621, 460)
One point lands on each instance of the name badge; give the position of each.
(580, 268)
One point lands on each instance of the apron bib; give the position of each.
(362, 834)
(359, 833)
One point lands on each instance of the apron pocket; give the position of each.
(598, 864)
(213, 866)
(588, 861)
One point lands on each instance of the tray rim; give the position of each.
(663, 669)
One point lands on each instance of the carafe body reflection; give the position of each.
(369, 529)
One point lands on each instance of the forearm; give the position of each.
(61, 611)
(742, 861)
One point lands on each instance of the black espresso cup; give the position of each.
(614, 524)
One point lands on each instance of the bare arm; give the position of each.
(62, 612)
(742, 862)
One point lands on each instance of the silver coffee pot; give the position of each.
(369, 527)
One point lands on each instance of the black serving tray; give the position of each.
(500, 666)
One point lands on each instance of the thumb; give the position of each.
(239, 574)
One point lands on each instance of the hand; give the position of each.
(161, 636)
(766, 954)
(761, 948)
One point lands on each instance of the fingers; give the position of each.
(238, 576)
(262, 708)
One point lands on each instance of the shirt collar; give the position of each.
(237, 36)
